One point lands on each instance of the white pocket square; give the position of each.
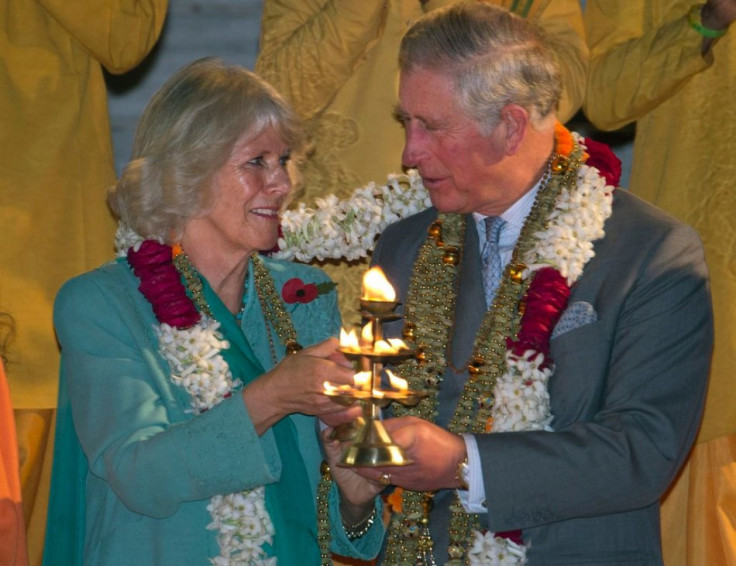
(576, 315)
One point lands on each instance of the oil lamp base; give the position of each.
(373, 448)
(348, 431)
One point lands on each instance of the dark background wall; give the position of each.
(193, 29)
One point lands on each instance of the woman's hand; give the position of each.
(357, 493)
(295, 385)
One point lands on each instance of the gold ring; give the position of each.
(385, 479)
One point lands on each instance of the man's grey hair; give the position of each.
(495, 58)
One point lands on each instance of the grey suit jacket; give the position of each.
(626, 396)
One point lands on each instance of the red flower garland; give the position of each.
(161, 284)
(545, 300)
(602, 158)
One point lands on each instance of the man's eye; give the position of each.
(402, 119)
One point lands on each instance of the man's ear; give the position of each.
(515, 121)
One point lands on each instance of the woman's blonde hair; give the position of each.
(186, 133)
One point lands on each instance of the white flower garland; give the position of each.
(195, 358)
(522, 399)
(347, 229)
(521, 395)
(196, 362)
(487, 550)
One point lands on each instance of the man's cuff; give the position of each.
(474, 498)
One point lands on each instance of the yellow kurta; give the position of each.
(56, 162)
(337, 62)
(647, 67)
(55, 168)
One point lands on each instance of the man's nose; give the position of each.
(414, 147)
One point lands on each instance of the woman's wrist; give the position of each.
(355, 530)
(262, 409)
(354, 513)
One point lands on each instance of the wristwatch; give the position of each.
(462, 474)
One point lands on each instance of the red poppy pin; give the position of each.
(297, 291)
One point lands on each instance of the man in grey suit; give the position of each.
(566, 389)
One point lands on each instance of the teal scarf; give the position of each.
(288, 501)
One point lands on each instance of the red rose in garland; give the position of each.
(545, 300)
(161, 284)
(602, 158)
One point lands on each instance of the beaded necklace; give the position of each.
(429, 322)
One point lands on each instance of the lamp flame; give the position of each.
(334, 388)
(398, 383)
(366, 335)
(349, 341)
(383, 347)
(362, 380)
(376, 287)
(398, 344)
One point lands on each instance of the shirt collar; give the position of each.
(516, 214)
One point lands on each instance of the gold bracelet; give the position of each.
(357, 531)
(694, 18)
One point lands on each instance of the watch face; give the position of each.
(463, 474)
(465, 471)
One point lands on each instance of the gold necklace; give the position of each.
(275, 315)
(430, 321)
(273, 310)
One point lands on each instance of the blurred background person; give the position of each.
(13, 551)
(55, 167)
(669, 66)
(183, 377)
(337, 62)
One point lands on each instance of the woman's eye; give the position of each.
(257, 161)
(284, 160)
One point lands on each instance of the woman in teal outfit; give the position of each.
(192, 367)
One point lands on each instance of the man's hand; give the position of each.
(434, 451)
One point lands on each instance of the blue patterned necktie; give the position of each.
(491, 258)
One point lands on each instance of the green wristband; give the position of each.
(694, 19)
